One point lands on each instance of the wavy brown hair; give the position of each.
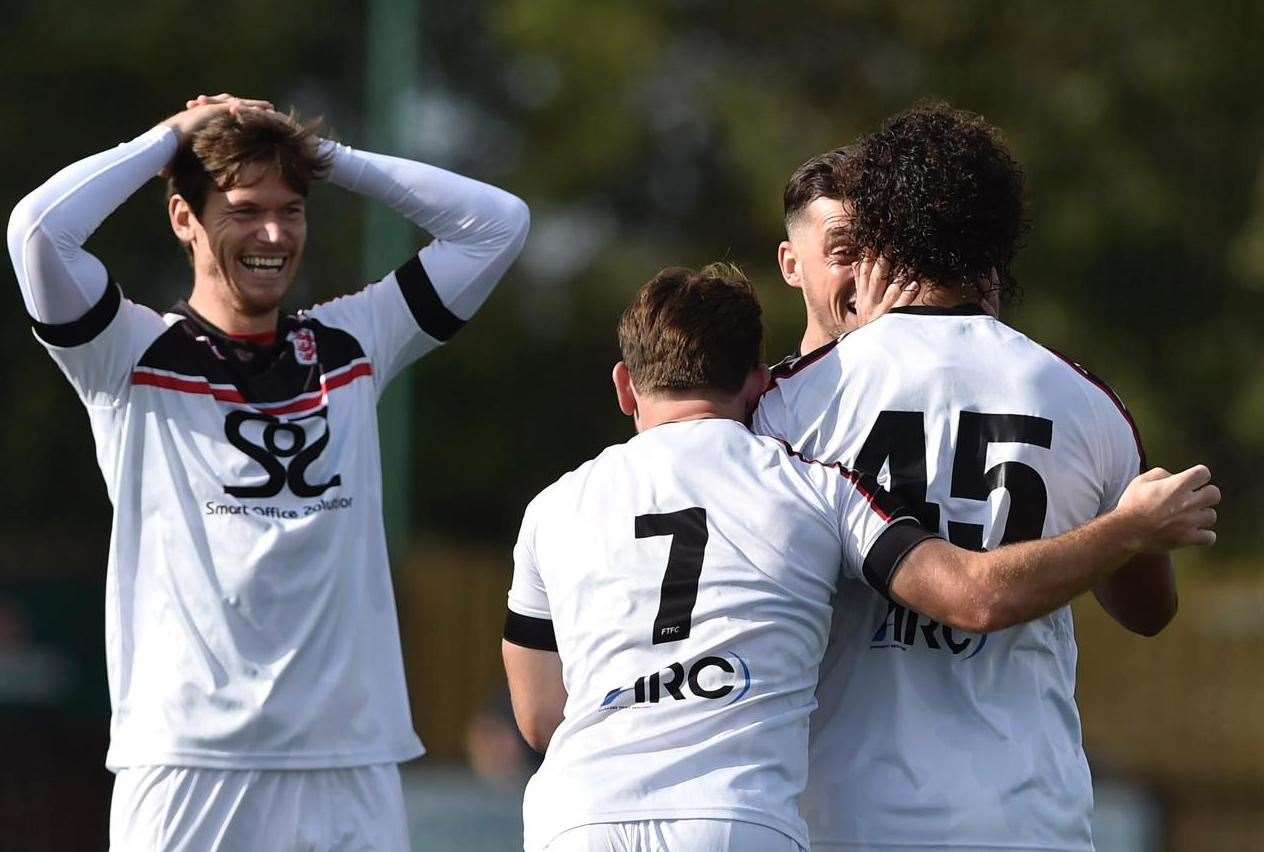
(222, 149)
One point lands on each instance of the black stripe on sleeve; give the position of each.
(530, 632)
(427, 308)
(83, 330)
(892, 546)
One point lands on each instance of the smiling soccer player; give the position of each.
(252, 645)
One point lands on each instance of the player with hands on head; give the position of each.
(252, 644)
(671, 597)
(994, 439)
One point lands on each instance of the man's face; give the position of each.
(249, 240)
(817, 259)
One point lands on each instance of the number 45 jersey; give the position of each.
(250, 621)
(686, 578)
(928, 737)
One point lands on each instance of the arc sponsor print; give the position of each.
(714, 677)
(903, 629)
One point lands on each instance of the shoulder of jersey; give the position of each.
(1106, 390)
(793, 365)
(575, 477)
(885, 504)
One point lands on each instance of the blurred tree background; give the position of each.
(660, 133)
(656, 133)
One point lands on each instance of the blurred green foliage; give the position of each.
(658, 133)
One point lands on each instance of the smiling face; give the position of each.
(817, 259)
(246, 247)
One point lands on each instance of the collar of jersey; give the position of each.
(284, 325)
(966, 309)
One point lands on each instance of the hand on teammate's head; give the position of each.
(1172, 510)
(878, 291)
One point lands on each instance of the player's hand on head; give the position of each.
(1171, 510)
(199, 110)
(232, 102)
(878, 291)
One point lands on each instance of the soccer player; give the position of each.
(929, 737)
(252, 645)
(671, 598)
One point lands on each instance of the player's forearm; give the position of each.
(60, 281)
(1141, 595)
(1020, 582)
(478, 228)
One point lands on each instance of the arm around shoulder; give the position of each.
(988, 591)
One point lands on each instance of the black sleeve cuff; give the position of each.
(892, 546)
(432, 316)
(83, 330)
(530, 632)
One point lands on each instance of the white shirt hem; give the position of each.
(123, 758)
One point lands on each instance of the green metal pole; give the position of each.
(390, 75)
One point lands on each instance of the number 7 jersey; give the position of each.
(686, 577)
(928, 737)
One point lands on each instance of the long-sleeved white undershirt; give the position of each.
(478, 228)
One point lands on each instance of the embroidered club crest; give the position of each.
(304, 346)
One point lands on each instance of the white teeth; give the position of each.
(263, 263)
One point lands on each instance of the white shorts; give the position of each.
(168, 808)
(673, 835)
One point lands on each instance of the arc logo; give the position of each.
(904, 628)
(284, 448)
(711, 678)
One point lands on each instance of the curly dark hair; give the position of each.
(934, 189)
(937, 191)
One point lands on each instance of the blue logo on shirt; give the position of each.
(904, 628)
(712, 678)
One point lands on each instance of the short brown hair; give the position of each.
(226, 145)
(820, 177)
(688, 330)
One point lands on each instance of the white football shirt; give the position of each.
(927, 737)
(250, 622)
(687, 576)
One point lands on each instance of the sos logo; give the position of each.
(285, 449)
(711, 678)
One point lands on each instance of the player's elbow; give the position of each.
(984, 606)
(979, 616)
(537, 729)
(23, 219)
(969, 596)
(511, 222)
